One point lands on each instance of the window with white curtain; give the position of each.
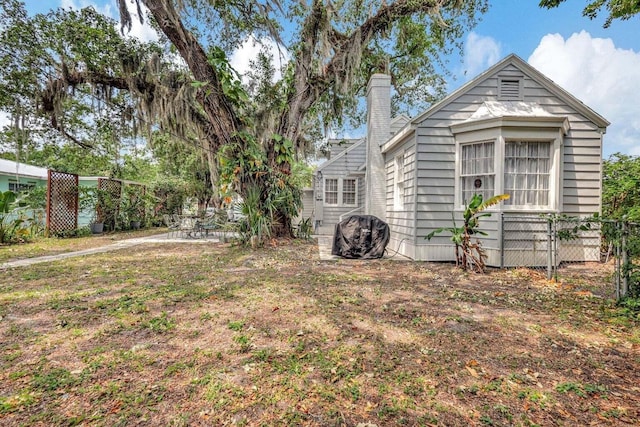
(477, 174)
(526, 172)
(331, 191)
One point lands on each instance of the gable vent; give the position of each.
(510, 89)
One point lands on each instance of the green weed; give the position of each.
(163, 323)
(236, 325)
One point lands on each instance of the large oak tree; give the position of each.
(330, 49)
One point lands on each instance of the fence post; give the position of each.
(549, 248)
(501, 239)
(625, 259)
(616, 257)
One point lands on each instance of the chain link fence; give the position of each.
(549, 243)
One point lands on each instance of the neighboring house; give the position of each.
(19, 177)
(510, 130)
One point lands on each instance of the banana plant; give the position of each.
(470, 254)
(10, 221)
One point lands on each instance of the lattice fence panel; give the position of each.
(109, 203)
(62, 202)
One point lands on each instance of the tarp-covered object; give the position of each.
(361, 237)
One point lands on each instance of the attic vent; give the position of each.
(510, 89)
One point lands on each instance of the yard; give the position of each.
(180, 334)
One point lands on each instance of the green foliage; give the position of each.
(621, 187)
(304, 229)
(183, 171)
(18, 222)
(617, 9)
(567, 228)
(270, 195)
(35, 198)
(469, 254)
(160, 324)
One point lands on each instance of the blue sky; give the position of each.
(599, 66)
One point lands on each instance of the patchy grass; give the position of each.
(177, 334)
(53, 246)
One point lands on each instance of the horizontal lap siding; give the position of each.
(436, 174)
(402, 221)
(435, 160)
(342, 167)
(435, 184)
(581, 154)
(582, 185)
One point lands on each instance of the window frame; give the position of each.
(509, 203)
(343, 191)
(340, 190)
(325, 191)
(20, 186)
(545, 129)
(398, 182)
(482, 174)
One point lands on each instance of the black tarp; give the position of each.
(361, 237)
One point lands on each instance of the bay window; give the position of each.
(518, 156)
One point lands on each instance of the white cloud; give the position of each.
(604, 77)
(241, 59)
(142, 32)
(480, 53)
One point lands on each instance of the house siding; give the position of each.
(347, 164)
(307, 210)
(580, 172)
(401, 219)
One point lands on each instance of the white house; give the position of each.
(510, 130)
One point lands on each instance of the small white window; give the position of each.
(477, 171)
(349, 191)
(340, 191)
(399, 182)
(331, 191)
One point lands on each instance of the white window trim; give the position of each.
(340, 191)
(552, 175)
(520, 130)
(324, 191)
(459, 172)
(398, 182)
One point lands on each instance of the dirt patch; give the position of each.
(213, 334)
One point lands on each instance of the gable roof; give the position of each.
(341, 154)
(546, 82)
(10, 167)
(519, 63)
(402, 118)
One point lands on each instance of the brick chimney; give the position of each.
(378, 132)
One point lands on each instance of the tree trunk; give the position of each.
(224, 122)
